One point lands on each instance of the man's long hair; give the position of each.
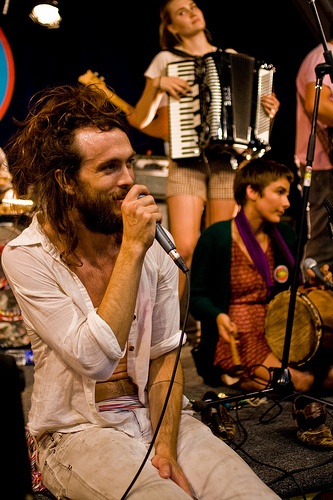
(45, 143)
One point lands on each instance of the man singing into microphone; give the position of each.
(99, 298)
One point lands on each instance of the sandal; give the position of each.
(310, 422)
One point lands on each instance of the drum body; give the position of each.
(312, 324)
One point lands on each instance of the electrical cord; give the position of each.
(285, 473)
(179, 349)
(238, 446)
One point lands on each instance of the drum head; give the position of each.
(306, 330)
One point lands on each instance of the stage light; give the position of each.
(47, 14)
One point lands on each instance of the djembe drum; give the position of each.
(312, 325)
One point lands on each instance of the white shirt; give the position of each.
(73, 347)
(159, 64)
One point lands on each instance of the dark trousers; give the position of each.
(15, 470)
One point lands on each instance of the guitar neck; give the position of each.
(118, 101)
(89, 78)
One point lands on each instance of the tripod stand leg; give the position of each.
(282, 381)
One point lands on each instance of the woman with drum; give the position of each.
(238, 267)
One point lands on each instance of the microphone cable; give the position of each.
(167, 397)
(238, 447)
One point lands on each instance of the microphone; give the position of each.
(218, 426)
(168, 245)
(312, 264)
(210, 398)
(199, 406)
(165, 242)
(210, 414)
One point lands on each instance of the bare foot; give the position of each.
(303, 381)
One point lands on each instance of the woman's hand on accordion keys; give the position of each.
(270, 104)
(174, 86)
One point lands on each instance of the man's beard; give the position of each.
(100, 214)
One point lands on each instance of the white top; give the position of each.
(73, 347)
(158, 66)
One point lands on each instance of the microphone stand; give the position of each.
(281, 380)
(282, 375)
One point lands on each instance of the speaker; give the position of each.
(164, 211)
(152, 171)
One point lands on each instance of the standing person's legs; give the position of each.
(221, 204)
(185, 214)
(186, 198)
(219, 210)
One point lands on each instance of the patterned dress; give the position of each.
(248, 307)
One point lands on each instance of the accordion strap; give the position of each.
(180, 53)
(186, 54)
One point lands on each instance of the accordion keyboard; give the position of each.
(184, 114)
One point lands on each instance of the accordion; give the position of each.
(223, 112)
